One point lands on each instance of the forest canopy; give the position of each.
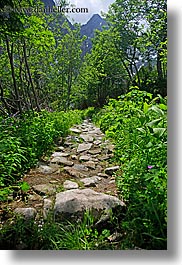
(42, 63)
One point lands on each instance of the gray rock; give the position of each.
(80, 167)
(86, 137)
(74, 172)
(72, 204)
(68, 143)
(85, 129)
(27, 213)
(48, 169)
(47, 207)
(59, 148)
(45, 189)
(74, 130)
(103, 175)
(96, 131)
(60, 154)
(111, 181)
(84, 158)
(111, 170)
(69, 185)
(53, 181)
(94, 151)
(90, 164)
(62, 161)
(90, 182)
(84, 147)
(97, 142)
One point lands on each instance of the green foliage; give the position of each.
(49, 235)
(137, 123)
(101, 75)
(135, 24)
(24, 140)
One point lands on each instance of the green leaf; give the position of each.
(149, 145)
(141, 130)
(163, 106)
(154, 122)
(24, 186)
(159, 131)
(145, 107)
(157, 110)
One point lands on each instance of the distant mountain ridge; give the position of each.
(48, 3)
(88, 29)
(95, 22)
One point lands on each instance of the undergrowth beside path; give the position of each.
(24, 140)
(137, 123)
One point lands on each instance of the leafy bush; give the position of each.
(137, 123)
(23, 140)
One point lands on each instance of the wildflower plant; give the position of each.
(137, 123)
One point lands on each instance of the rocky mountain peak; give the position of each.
(95, 22)
(48, 3)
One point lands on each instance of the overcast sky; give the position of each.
(94, 7)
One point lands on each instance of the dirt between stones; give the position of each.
(84, 153)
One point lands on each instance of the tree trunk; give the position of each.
(138, 75)
(70, 76)
(11, 60)
(159, 65)
(30, 78)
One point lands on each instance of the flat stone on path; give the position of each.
(94, 151)
(111, 170)
(59, 148)
(96, 131)
(90, 182)
(74, 172)
(73, 203)
(45, 189)
(97, 142)
(69, 185)
(86, 137)
(44, 169)
(103, 175)
(80, 167)
(84, 147)
(74, 130)
(90, 164)
(60, 154)
(62, 160)
(84, 158)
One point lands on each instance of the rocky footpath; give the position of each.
(78, 176)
